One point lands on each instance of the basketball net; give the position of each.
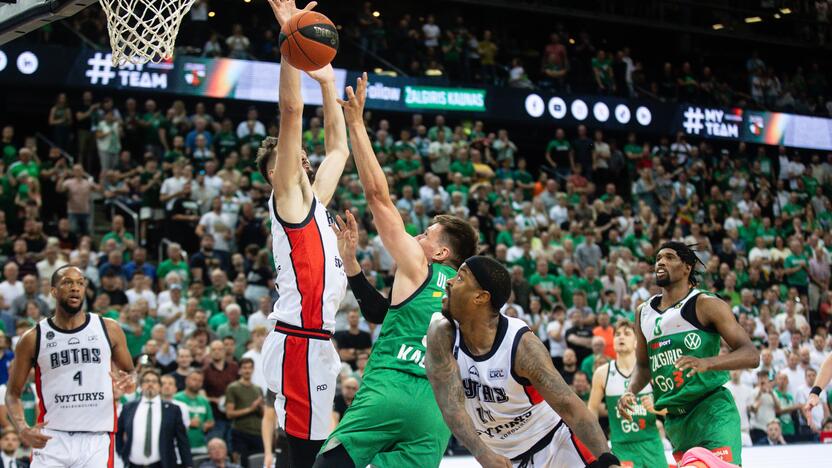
(144, 31)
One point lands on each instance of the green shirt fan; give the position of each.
(143, 31)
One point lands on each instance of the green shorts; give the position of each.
(641, 454)
(714, 423)
(393, 422)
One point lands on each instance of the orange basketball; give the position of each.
(308, 41)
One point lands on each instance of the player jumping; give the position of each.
(299, 360)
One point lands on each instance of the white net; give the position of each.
(144, 31)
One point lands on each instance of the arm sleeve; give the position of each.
(372, 303)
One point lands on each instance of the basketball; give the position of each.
(309, 41)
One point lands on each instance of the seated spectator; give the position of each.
(218, 455)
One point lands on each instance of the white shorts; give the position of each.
(76, 450)
(564, 451)
(302, 372)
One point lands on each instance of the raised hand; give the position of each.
(347, 235)
(285, 9)
(124, 381)
(323, 75)
(354, 105)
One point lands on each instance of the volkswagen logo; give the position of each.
(692, 341)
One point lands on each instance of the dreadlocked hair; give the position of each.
(687, 254)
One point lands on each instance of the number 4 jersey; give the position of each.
(72, 377)
(671, 334)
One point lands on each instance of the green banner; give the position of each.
(429, 97)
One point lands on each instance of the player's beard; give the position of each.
(663, 281)
(71, 310)
(446, 307)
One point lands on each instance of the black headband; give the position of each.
(492, 277)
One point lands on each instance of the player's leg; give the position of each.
(645, 453)
(373, 422)
(714, 423)
(564, 451)
(98, 451)
(57, 453)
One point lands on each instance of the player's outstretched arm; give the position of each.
(335, 137)
(596, 395)
(821, 381)
(743, 355)
(534, 363)
(641, 373)
(24, 357)
(287, 179)
(410, 260)
(443, 373)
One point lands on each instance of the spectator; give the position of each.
(773, 436)
(743, 397)
(10, 450)
(234, 328)
(344, 398)
(238, 44)
(219, 374)
(218, 455)
(352, 341)
(244, 408)
(199, 411)
(764, 408)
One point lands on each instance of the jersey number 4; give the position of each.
(77, 378)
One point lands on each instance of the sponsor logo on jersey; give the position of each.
(506, 429)
(50, 334)
(473, 371)
(659, 344)
(496, 373)
(73, 341)
(74, 356)
(414, 355)
(320, 388)
(484, 393)
(693, 340)
(664, 358)
(657, 329)
(79, 397)
(92, 338)
(51, 344)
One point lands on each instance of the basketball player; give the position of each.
(678, 336)
(496, 385)
(394, 421)
(300, 362)
(635, 443)
(73, 354)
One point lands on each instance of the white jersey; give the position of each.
(72, 377)
(508, 413)
(310, 274)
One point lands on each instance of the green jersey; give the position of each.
(402, 343)
(643, 425)
(671, 334)
(200, 407)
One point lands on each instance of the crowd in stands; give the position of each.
(577, 229)
(572, 58)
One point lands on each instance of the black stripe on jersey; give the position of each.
(104, 329)
(299, 225)
(37, 344)
(309, 390)
(689, 314)
(323, 299)
(74, 330)
(502, 327)
(416, 292)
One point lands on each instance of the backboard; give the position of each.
(20, 17)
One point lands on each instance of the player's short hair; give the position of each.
(624, 323)
(459, 236)
(267, 150)
(59, 273)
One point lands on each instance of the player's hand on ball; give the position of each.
(354, 105)
(323, 75)
(694, 364)
(626, 405)
(285, 9)
(492, 460)
(33, 437)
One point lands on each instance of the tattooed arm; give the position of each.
(533, 363)
(443, 373)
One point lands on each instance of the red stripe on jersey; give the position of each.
(296, 389)
(111, 458)
(41, 406)
(583, 451)
(531, 392)
(309, 263)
